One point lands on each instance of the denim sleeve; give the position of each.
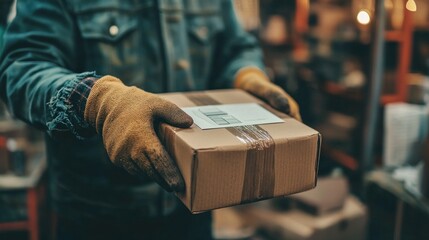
(236, 49)
(37, 62)
(67, 107)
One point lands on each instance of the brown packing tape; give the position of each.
(201, 99)
(259, 176)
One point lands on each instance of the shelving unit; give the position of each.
(341, 157)
(403, 38)
(23, 194)
(359, 104)
(338, 90)
(30, 186)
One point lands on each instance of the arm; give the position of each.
(38, 84)
(241, 65)
(36, 77)
(237, 49)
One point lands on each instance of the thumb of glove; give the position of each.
(171, 114)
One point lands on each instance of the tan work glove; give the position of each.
(125, 116)
(257, 83)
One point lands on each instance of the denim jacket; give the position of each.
(157, 45)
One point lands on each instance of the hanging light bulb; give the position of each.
(363, 17)
(411, 5)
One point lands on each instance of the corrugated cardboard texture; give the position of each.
(213, 162)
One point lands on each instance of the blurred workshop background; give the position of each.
(359, 70)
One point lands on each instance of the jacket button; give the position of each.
(182, 64)
(203, 32)
(113, 30)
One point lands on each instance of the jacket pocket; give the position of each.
(118, 37)
(107, 20)
(109, 26)
(204, 29)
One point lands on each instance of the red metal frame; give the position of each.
(404, 38)
(32, 223)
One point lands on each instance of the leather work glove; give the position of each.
(257, 83)
(125, 117)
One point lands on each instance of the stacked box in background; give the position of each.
(349, 223)
(319, 214)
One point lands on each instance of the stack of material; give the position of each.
(405, 129)
(230, 223)
(330, 195)
(327, 212)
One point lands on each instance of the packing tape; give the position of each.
(201, 99)
(259, 174)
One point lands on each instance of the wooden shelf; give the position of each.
(32, 185)
(395, 36)
(37, 165)
(338, 90)
(404, 38)
(14, 226)
(341, 157)
(391, 98)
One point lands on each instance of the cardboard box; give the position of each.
(349, 223)
(329, 195)
(230, 166)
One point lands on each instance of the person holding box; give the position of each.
(87, 73)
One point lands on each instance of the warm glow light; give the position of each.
(363, 17)
(411, 5)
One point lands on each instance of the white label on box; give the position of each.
(230, 115)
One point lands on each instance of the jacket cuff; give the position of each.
(68, 105)
(79, 95)
(249, 72)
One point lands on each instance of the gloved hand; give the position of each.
(125, 116)
(257, 83)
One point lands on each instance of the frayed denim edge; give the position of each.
(62, 112)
